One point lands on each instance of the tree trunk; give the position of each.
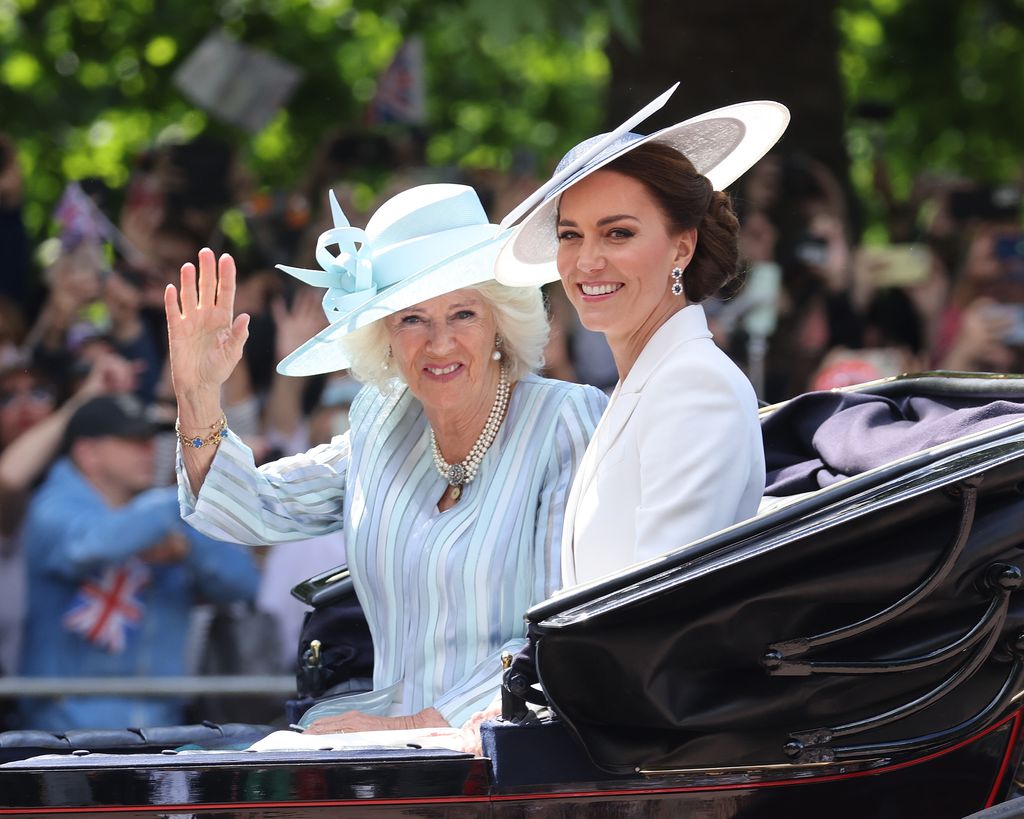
(728, 51)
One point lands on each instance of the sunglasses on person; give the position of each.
(35, 394)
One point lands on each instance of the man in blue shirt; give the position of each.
(113, 572)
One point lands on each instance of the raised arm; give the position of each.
(30, 454)
(205, 339)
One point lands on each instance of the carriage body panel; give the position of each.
(861, 645)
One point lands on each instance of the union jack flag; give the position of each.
(106, 607)
(79, 217)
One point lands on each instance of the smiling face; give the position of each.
(442, 348)
(615, 256)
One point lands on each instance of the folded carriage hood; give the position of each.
(905, 574)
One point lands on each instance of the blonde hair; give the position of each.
(521, 321)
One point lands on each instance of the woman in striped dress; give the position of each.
(452, 481)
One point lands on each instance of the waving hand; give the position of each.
(204, 335)
(205, 340)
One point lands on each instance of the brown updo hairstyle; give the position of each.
(688, 201)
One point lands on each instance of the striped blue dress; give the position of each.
(444, 592)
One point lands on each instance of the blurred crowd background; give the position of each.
(881, 262)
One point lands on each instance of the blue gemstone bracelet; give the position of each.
(220, 429)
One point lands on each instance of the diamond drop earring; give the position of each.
(677, 281)
(387, 360)
(496, 355)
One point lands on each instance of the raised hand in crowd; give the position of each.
(172, 548)
(110, 374)
(74, 281)
(25, 459)
(979, 341)
(205, 341)
(293, 325)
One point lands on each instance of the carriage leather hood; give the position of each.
(672, 664)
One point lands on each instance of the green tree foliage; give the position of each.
(87, 84)
(941, 83)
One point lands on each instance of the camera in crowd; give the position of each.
(995, 203)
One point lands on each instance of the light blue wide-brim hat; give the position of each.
(422, 243)
(722, 144)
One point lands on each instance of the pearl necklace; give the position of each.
(462, 473)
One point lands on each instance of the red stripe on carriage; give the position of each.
(436, 800)
(993, 795)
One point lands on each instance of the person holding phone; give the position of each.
(983, 327)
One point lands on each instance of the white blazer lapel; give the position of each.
(613, 421)
(688, 323)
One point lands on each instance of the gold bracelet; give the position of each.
(220, 429)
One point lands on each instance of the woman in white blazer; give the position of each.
(640, 233)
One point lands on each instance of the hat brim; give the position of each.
(722, 145)
(324, 352)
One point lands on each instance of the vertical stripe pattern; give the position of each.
(444, 592)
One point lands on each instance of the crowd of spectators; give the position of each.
(944, 292)
(818, 309)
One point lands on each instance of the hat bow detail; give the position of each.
(347, 275)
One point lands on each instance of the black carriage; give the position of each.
(857, 649)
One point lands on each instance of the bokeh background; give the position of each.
(927, 85)
(882, 235)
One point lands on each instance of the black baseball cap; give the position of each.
(118, 416)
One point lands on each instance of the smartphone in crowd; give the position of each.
(999, 202)
(1010, 252)
(896, 265)
(1014, 336)
(812, 250)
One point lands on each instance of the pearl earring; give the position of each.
(387, 360)
(677, 281)
(496, 355)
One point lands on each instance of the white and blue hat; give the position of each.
(422, 243)
(722, 144)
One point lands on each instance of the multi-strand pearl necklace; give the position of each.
(460, 474)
